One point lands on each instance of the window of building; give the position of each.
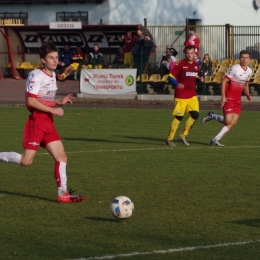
(13, 18)
(72, 17)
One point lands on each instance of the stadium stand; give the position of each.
(150, 83)
(36, 65)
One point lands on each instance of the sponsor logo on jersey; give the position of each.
(191, 74)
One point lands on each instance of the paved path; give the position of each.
(12, 93)
(12, 90)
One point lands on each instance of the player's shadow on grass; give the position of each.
(107, 141)
(161, 140)
(248, 222)
(102, 219)
(94, 140)
(25, 195)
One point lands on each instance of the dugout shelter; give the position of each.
(19, 44)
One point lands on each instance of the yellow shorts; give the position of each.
(183, 106)
(90, 66)
(128, 58)
(74, 65)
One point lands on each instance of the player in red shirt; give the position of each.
(233, 84)
(128, 44)
(39, 129)
(183, 76)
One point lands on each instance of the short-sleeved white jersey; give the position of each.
(41, 86)
(238, 77)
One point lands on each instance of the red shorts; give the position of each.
(232, 106)
(39, 133)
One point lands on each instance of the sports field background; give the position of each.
(197, 202)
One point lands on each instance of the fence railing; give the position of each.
(219, 41)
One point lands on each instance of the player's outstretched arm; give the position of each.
(34, 103)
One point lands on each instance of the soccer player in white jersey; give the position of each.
(235, 81)
(39, 129)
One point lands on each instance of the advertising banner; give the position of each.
(108, 81)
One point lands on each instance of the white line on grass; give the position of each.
(168, 250)
(157, 148)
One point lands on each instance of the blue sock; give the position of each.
(218, 118)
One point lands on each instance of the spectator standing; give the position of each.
(136, 49)
(194, 41)
(233, 84)
(39, 129)
(77, 60)
(183, 76)
(128, 45)
(146, 47)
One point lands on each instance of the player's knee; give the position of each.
(179, 117)
(233, 123)
(25, 163)
(194, 114)
(62, 158)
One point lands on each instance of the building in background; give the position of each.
(224, 26)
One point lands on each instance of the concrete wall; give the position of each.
(157, 12)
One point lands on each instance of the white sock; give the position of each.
(61, 176)
(218, 118)
(11, 157)
(222, 132)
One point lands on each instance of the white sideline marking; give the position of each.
(168, 250)
(157, 148)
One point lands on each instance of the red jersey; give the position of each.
(186, 73)
(43, 87)
(195, 42)
(78, 57)
(238, 77)
(128, 43)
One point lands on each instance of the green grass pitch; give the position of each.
(197, 202)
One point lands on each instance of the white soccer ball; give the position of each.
(122, 207)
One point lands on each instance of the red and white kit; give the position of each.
(238, 77)
(39, 128)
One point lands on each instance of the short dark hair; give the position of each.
(189, 47)
(96, 45)
(46, 48)
(244, 52)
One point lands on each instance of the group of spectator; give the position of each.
(133, 53)
(69, 63)
(168, 58)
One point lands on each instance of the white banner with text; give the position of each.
(108, 81)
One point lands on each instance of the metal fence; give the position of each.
(219, 41)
